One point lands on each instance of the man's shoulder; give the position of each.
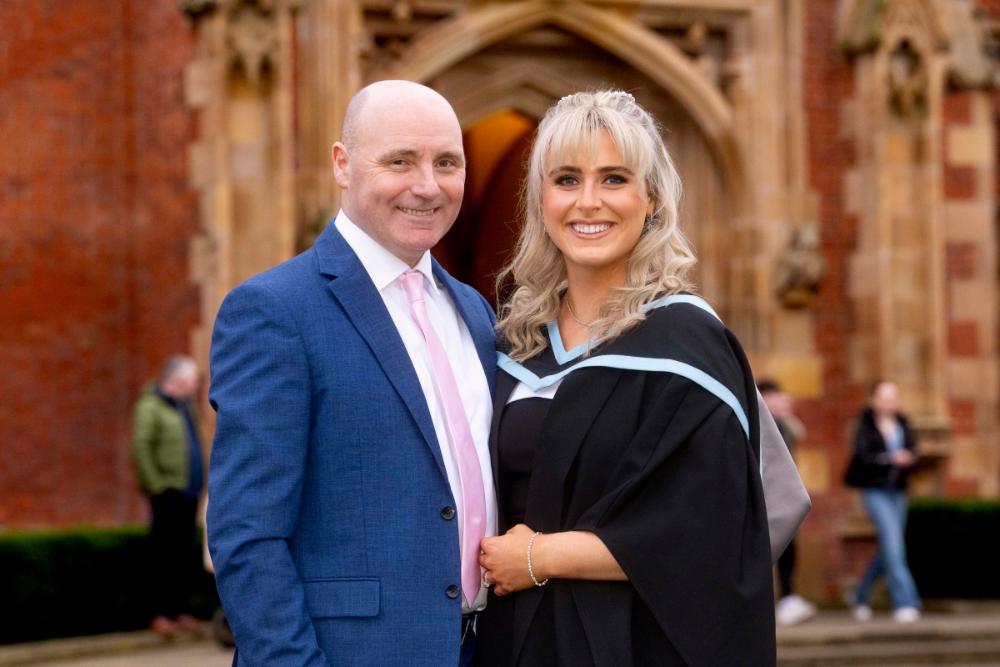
(285, 280)
(151, 403)
(288, 273)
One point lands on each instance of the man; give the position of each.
(167, 451)
(350, 480)
(791, 609)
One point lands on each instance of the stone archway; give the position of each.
(486, 75)
(456, 40)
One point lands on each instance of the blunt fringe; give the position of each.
(659, 263)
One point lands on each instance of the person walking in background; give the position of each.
(350, 480)
(792, 608)
(166, 447)
(884, 451)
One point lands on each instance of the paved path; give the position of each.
(831, 632)
(202, 654)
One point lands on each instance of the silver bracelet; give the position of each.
(531, 570)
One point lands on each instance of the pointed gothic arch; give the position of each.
(442, 46)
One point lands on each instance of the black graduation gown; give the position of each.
(637, 450)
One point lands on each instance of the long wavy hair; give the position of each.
(661, 259)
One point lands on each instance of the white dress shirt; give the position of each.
(385, 269)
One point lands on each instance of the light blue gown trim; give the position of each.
(620, 361)
(563, 355)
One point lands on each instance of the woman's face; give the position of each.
(885, 399)
(594, 209)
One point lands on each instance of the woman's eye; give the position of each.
(615, 179)
(565, 180)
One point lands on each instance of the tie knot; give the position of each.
(413, 283)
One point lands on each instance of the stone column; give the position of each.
(242, 165)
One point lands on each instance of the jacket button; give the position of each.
(447, 512)
(451, 591)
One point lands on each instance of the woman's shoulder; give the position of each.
(684, 322)
(688, 337)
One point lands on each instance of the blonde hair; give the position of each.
(661, 259)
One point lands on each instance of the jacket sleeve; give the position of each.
(684, 516)
(261, 392)
(143, 446)
(870, 448)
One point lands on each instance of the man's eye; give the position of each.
(446, 164)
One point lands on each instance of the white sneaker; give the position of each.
(861, 613)
(906, 615)
(793, 609)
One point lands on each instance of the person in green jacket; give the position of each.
(166, 447)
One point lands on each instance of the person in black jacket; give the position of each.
(884, 451)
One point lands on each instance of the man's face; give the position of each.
(404, 178)
(183, 384)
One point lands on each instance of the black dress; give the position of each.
(650, 443)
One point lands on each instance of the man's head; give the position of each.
(401, 166)
(179, 379)
(775, 398)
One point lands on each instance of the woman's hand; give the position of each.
(902, 458)
(568, 555)
(505, 559)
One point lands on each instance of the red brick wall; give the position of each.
(828, 81)
(95, 217)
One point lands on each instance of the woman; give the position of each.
(625, 424)
(884, 451)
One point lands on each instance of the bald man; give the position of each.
(350, 478)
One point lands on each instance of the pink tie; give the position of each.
(473, 496)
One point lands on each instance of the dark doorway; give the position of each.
(476, 248)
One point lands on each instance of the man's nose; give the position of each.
(425, 183)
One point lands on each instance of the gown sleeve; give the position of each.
(684, 516)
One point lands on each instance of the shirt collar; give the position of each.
(383, 267)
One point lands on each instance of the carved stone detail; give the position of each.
(975, 51)
(800, 269)
(252, 39)
(864, 24)
(390, 26)
(907, 82)
(195, 9)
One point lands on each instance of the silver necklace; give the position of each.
(572, 314)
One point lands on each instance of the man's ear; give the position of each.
(341, 164)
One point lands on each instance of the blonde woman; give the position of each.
(624, 439)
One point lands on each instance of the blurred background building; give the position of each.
(841, 188)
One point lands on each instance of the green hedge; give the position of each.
(83, 581)
(953, 547)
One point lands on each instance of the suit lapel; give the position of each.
(353, 289)
(479, 326)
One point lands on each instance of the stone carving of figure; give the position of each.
(800, 269)
(907, 82)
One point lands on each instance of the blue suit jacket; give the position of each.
(327, 484)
